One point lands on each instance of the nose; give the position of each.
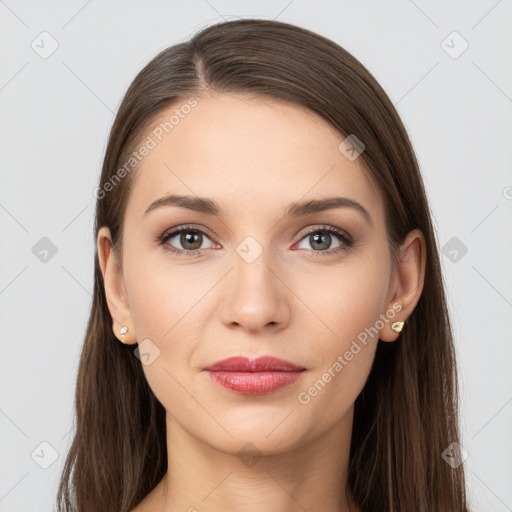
(256, 298)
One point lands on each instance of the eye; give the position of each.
(321, 239)
(191, 239)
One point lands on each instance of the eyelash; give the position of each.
(345, 239)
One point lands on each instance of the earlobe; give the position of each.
(115, 291)
(122, 334)
(410, 278)
(396, 323)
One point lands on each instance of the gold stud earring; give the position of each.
(123, 331)
(397, 326)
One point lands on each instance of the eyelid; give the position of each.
(330, 229)
(187, 227)
(344, 237)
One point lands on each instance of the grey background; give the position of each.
(56, 113)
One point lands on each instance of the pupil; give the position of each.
(326, 242)
(188, 238)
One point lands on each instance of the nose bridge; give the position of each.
(252, 270)
(257, 297)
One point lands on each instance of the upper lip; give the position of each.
(259, 364)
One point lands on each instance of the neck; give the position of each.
(310, 477)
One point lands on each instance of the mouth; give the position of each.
(258, 376)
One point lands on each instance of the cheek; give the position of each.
(161, 295)
(350, 308)
(169, 305)
(164, 312)
(347, 300)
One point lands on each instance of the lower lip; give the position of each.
(255, 383)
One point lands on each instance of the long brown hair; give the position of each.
(407, 413)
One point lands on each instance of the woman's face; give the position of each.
(261, 281)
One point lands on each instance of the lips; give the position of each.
(260, 364)
(258, 376)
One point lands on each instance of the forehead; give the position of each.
(247, 153)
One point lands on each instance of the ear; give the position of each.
(407, 283)
(115, 290)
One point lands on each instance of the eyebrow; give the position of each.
(295, 209)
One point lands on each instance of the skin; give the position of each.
(254, 157)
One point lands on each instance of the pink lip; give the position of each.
(262, 375)
(260, 364)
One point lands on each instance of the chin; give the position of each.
(256, 436)
(247, 444)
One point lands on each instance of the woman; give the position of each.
(267, 262)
